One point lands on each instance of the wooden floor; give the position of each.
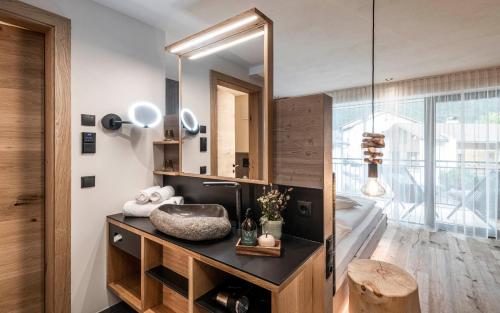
(454, 273)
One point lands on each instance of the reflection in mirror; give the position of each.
(189, 122)
(224, 90)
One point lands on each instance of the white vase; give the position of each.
(272, 227)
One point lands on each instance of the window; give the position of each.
(441, 161)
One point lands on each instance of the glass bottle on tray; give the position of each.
(249, 230)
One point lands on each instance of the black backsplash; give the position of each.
(311, 227)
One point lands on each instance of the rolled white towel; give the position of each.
(162, 194)
(144, 195)
(132, 208)
(174, 200)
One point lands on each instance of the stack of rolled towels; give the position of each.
(149, 199)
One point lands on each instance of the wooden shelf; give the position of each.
(166, 142)
(171, 279)
(129, 290)
(159, 309)
(166, 173)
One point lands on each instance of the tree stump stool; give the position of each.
(380, 287)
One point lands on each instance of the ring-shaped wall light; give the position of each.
(153, 114)
(143, 114)
(190, 122)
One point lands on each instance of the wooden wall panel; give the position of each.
(303, 157)
(301, 141)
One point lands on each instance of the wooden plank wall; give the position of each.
(302, 157)
(300, 131)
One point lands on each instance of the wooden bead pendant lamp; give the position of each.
(373, 141)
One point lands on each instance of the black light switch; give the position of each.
(203, 144)
(246, 162)
(203, 129)
(88, 120)
(88, 142)
(203, 170)
(87, 181)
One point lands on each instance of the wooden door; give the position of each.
(21, 170)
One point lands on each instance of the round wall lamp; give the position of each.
(189, 122)
(142, 114)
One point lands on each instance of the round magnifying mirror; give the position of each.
(144, 114)
(190, 122)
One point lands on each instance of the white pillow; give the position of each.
(343, 203)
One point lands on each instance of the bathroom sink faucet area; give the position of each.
(237, 188)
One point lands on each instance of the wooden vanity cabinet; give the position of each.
(168, 278)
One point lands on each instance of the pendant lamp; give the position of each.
(373, 141)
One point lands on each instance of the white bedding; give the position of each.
(352, 218)
(347, 248)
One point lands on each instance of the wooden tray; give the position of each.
(258, 250)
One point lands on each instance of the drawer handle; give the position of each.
(117, 237)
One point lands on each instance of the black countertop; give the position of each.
(295, 251)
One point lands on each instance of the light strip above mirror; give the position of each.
(226, 45)
(215, 33)
(236, 26)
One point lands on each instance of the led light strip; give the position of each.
(214, 33)
(226, 45)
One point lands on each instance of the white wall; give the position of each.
(115, 61)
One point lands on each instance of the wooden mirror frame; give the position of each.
(267, 91)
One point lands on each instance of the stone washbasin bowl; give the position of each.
(194, 222)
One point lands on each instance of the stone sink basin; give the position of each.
(194, 222)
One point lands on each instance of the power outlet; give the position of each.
(304, 207)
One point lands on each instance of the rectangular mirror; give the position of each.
(225, 91)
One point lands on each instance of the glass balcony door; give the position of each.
(441, 161)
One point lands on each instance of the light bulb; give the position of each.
(372, 188)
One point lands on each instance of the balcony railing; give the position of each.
(468, 186)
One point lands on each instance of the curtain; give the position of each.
(441, 161)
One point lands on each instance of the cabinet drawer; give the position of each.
(125, 240)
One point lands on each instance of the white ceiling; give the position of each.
(322, 45)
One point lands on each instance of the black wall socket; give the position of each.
(304, 208)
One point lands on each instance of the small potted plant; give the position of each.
(272, 204)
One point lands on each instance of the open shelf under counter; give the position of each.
(129, 290)
(259, 301)
(171, 279)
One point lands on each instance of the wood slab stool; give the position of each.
(376, 287)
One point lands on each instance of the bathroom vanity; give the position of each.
(227, 127)
(156, 273)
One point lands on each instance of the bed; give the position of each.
(366, 223)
